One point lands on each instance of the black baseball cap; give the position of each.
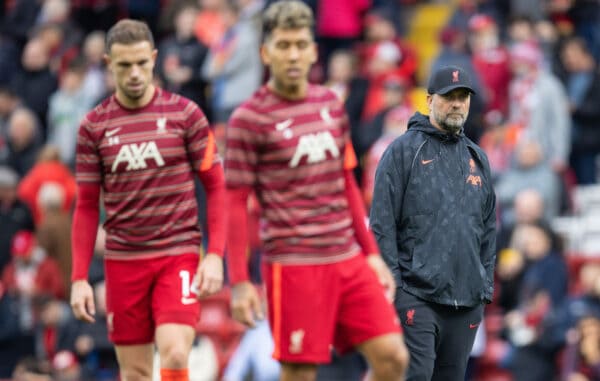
(448, 78)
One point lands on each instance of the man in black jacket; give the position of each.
(433, 215)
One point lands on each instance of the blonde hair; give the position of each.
(287, 14)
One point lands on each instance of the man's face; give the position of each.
(131, 66)
(289, 53)
(450, 111)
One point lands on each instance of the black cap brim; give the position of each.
(447, 89)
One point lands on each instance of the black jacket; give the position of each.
(434, 215)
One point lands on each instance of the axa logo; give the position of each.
(315, 147)
(136, 156)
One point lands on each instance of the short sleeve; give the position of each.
(241, 152)
(88, 164)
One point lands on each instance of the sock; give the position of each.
(174, 375)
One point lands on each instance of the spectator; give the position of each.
(347, 28)
(54, 328)
(529, 171)
(14, 213)
(384, 54)
(583, 352)
(49, 169)
(34, 83)
(544, 287)
(93, 15)
(539, 104)
(394, 94)
(24, 140)
(582, 83)
(344, 79)
(395, 123)
(20, 20)
(233, 65)
(66, 107)
(491, 62)
(31, 274)
(181, 56)
(210, 26)
(93, 53)
(572, 322)
(54, 232)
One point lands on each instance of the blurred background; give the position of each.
(536, 113)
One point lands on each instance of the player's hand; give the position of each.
(245, 304)
(209, 277)
(82, 301)
(383, 274)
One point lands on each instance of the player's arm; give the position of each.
(362, 234)
(241, 159)
(85, 221)
(210, 274)
(83, 238)
(202, 152)
(245, 302)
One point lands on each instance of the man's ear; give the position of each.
(264, 54)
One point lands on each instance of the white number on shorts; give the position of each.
(187, 287)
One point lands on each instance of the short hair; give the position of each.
(128, 31)
(287, 14)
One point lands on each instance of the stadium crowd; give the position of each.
(535, 113)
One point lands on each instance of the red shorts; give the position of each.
(312, 307)
(142, 294)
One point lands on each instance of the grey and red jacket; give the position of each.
(434, 215)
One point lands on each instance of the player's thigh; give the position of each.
(128, 301)
(135, 361)
(362, 298)
(303, 302)
(174, 296)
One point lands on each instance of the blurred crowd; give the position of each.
(536, 113)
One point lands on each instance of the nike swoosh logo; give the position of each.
(473, 326)
(188, 301)
(283, 125)
(424, 162)
(112, 132)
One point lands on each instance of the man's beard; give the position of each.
(451, 125)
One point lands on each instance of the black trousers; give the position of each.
(439, 338)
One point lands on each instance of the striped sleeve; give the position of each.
(199, 139)
(88, 165)
(350, 161)
(241, 154)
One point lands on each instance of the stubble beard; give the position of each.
(288, 89)
(451, 125)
